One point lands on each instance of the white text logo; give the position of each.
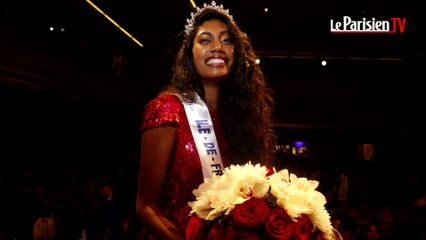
(393, 25)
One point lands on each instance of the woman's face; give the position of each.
(213, 51)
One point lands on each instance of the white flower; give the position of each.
(298, 196)
(219, 195)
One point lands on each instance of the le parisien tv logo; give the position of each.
(347, 25)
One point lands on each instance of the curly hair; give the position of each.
(245, 98)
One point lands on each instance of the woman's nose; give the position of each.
(217, 46)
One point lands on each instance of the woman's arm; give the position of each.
(156, 148)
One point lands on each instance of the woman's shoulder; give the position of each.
(164, 98)
(163, 109)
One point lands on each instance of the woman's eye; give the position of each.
(204, 40)
(226, 40)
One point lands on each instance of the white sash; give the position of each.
(203, 132)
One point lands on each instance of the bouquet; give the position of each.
(253, 202)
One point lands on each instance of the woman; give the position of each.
(214, 69)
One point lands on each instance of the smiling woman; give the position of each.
(215, 112)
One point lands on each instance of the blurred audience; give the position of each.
(370, 231)
(44, 228)
(99, 207)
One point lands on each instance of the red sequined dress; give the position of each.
(184, 171)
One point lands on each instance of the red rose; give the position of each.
(279, 225)
(235, 233)
(196, 228)
(217, 232)
(252, 212)
(318, 235)
(302, 229)
(270, 171)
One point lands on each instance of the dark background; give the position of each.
(66, 102)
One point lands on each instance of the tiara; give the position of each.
(190, 26)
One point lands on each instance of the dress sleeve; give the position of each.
(164, 110)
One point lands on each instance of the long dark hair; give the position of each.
(245, 102)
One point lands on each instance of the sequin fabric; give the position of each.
(184, 171)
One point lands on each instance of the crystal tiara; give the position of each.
(190, 26)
